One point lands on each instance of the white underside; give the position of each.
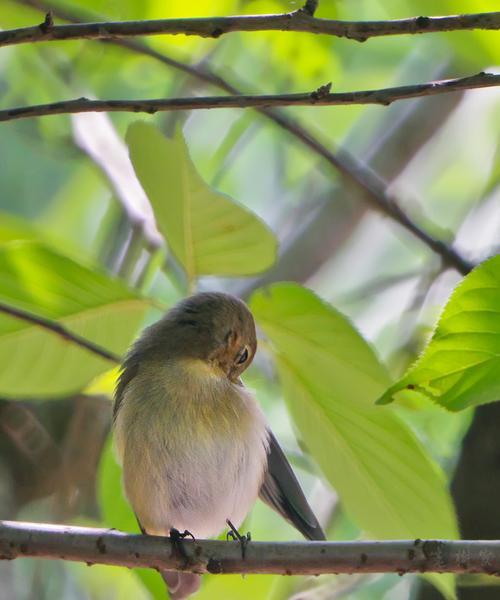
(175, 477)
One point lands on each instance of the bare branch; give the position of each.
(111, 547)
(213, 27)
(372, 187)
(58, 329)
(319, 97)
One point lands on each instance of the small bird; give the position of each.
(194, 444)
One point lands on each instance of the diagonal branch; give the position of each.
(111, 547)
(58, 329)
(213, 27)
(320, 97)
(372, 187)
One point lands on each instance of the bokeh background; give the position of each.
(65, 183)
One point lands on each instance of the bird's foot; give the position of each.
(176, 538)
(234, 534)
(176, 535)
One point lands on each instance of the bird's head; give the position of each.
(213, 327)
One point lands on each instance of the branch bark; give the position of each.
(213, 27)
(371, 186)
(383, 97)
(59, 330)
(111, 547)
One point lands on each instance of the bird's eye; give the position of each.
(242, 357)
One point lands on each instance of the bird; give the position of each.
(194, 445)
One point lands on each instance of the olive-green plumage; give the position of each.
(193, 441)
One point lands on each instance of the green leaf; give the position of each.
(330, 377)
(235, 586)
(209, 233)
(461, 364)
(106, 583)
(14, 228)
(37, 362)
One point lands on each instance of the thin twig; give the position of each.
(383, 97)
(213, 27)
(58, 329)
(372, 187)
(310, 7)
(111, 547)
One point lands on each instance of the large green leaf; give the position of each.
(460, 366)
(37, 362)
(208, 232)
(331, 378)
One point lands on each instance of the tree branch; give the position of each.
(111, 547)
(371, 186)
(213, 27)
(59, 330)
(319, 97)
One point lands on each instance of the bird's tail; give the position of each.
(181, 585)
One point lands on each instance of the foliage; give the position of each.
(460, 365)
(208, 233)
(37, 279)
(330, 379)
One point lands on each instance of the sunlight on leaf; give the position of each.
(460, 365)
(330, 377)
(39, 363)
(104, 384)
(13, 228)
(209, 233)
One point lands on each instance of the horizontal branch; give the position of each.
(214, 27)
(58, 329)
(111, 547)
(371, 186)
(320, 97)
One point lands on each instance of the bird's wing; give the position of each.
(282, 491)
(128, 372)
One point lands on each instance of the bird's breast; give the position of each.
(194, 450)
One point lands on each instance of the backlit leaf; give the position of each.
(36, 362)
(460, 366)
(331, 377)
(208, 232)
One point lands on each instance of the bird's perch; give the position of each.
(213, 27)
(111, 547)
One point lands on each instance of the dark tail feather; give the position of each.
(282, 491)
(181, 585)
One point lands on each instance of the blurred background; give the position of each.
(66, 182)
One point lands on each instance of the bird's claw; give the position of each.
(176, 538)
(235, 535)
(176, 535)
